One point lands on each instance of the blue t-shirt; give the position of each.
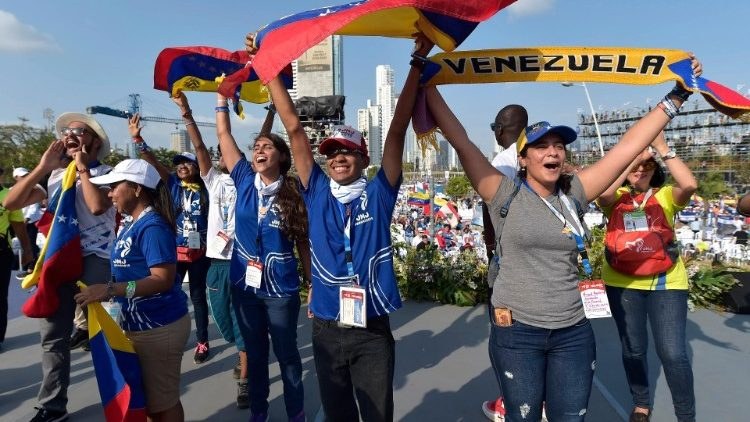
(370, 238)
(187, 204)
(276, 251)
(140, 246)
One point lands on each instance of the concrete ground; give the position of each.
(442, 370)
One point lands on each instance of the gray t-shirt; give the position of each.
(538, 276)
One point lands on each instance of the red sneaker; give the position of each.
(494, 410)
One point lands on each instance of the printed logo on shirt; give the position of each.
(124, 246)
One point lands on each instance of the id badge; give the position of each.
(635, 221)
(114, 309)
(253, 273)
(353, 306)
(220, 243)
(594, 298)
(194, 240)
(187, 225)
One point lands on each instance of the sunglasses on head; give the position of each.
(647, 166)
(75, 131)
(345, 151)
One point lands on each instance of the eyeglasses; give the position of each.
(75, 131)
(647, 166)
(345, 151)
(494, 126)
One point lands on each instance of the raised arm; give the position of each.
(134, 127)
(96, 197)
(229, 149)
(23, 190)
(684, 181)
(483, 177)
(201, 152)
(599, 176)
(393, 149)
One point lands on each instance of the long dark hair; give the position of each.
(563, 183)
(161, 199)
(293, 213)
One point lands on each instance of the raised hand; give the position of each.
(54, 157)
(134, 126)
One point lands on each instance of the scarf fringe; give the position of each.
(427, 139)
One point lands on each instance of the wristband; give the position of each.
(142, 146)
(189, 123)
(419, 57)
(419, 64)
(81, 171)
(110, 289)
(130, 289)
(669, 107)
(680, 92)
(187, 113)
(222, 109)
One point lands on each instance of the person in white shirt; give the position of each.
(31, 213)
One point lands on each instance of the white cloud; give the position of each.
(18, 37)
(530, 7)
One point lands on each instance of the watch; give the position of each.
(669, 155)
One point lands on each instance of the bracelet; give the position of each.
(189, 123)
(130, 289)
(680, 92)
(222, 109)
(81, 171)
(419, 64)
(669, 107)
(188, 113)
(418, 57)
(110, 289)
(141, 144)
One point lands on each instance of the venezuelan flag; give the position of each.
(418, 198)
(197, 69)
(117, 369)
(60, 260)
(445, 22)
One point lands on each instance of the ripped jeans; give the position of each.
(536, 365)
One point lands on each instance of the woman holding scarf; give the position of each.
(270, 220)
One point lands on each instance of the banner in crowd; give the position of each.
(446, 22)
(117, 369)
(619, 65)
(202, 69)
(60, 260)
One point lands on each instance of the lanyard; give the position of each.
(346, 216)
(132, 223)
(576, 228)
(264, 205)
(645, 199)
(187, 202)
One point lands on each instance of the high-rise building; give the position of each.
(384, 97)
(319, 71)
(179, 141)
(368, 122)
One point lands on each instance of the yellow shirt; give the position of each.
(6, 216)
(675, 278)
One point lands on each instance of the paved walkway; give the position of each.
(442, 371)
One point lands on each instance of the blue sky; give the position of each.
(68, 55)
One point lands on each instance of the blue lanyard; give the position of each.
(346, 216)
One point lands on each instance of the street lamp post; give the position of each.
(593, 114)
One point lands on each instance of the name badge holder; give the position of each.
(254, 273)
(635, 221)
(352, 297)
(114, 309)
(220, 243)
(593, 292)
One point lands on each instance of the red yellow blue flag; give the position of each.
(117, 369)
(60, 260)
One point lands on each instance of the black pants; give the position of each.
(197, 272)
(32, 230)
(359, 361)
(6, 264)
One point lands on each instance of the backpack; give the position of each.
(640, 253)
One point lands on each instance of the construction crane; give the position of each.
(135, 107)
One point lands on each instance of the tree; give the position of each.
(458, 186)
(372, 171)
(712, 185)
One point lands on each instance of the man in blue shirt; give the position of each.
(354, 285)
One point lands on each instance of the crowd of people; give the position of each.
(247, 233)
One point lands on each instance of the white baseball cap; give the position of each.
(133, 170)
(20, 171)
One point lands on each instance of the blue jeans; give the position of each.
(197, 272)
(538, 365)
(259, 316)
(355, 361)
(666, 311)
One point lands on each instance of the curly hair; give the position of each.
(293, 213)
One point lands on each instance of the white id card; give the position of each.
(194, 240)
(114, 309)
(220, 243)
(353, 306)
(594, 298)
(253, 273)
(635, 221)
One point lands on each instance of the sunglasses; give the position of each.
(75, 131)
(344, 151)
(494, 126)
(646, 167)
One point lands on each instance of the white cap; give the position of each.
(184, 156)
(20, 171)
(136, 171)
